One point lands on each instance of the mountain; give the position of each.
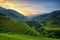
(37, 21)
(44, 19)
(12, 14)
(13, 26)
(53, 19)
(48, 25)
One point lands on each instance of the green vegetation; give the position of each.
(13, 26)
(17, 30)
(46, 29)
(51, 32)
(6, 36)
(48, 25)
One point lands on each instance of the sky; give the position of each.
(31, 7)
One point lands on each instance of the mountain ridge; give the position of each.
(12, 14)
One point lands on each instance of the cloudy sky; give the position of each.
(31, 7)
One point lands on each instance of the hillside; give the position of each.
(47, 25)
(53, 19)
(6, 36)
(18, 30)
(12, 14)
(45, 19)
(14, 26)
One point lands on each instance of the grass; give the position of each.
(51, 28)
(20, 30)
(6, 36)
(14, 26)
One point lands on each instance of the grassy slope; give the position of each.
(13, 26)
(52, 27)
(8, 25)
(6, 36)
(53, 22)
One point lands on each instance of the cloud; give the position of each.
(31, 7)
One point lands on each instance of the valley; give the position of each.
(15, 26)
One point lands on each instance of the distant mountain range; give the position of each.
(41, 20)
